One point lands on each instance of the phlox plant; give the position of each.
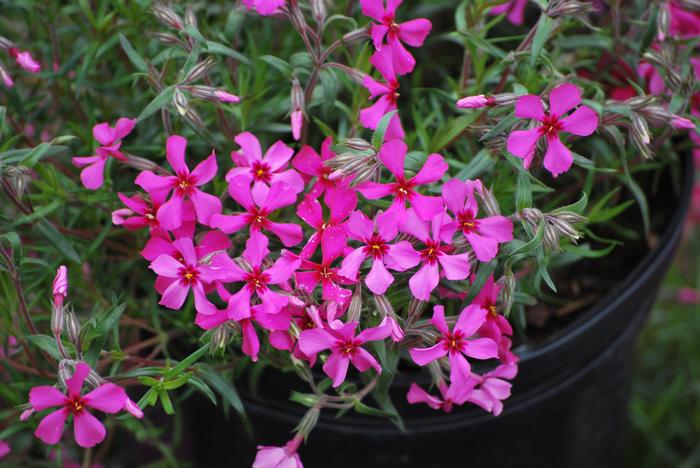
(346, 191)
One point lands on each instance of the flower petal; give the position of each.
(108, 398)
(44, 396)
(87, 429)
(583, 121)
(424, 356)
(529, 107)
(50, 428)
(558, 158)
(563, 98)
(521, 143)
(336, 367)
(175, 153)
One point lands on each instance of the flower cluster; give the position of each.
(22, 58)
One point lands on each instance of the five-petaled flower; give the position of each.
(387, 92)
(582, 122)
(184, 184)
(110, 139)
(345, 347)
(483, 234)
(310, 164)
(108, 398)
(457, 343)
(340, 202)
(393, 155)
(411, 32)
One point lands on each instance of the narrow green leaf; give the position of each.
(378, 136)
(544, 29)
(222, 386)
(160, 101)
(58, 240)
(134, 56)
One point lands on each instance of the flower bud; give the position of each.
(297, 116)
(26, 414)
(357, 144)
(180, 102)
(5, 77)
(57, 320)
(474, 102)
(681, 123)
(24, 60)
(641, 126)
(489, 201)
(190, 18)
(19, 178)
(318, 10)
(662, 21)
(168, 39)
(73, 327)
(226, 97)
(5, 43)
(308, 422)
(132, 408)
(60, 286)
(167, 16)
(200, 70)
(93, 379)
(356, 35)
(355, 307)
(509, 285)
(386, 310)
(219, 339)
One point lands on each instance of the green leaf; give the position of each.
(47, 343)
(58, 240)
(134, 56)
(218, 48)
(187, 362)
(482, 275)
(583, 251)
(222, 386)
(378, 136)
(166, 402)
(278, 63)
(160, 101)
(444, 135)
(105, 325)
(204, 388)
(523, 192)
(544, 29)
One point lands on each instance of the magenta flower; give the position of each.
(392, 155)
(60, 286)
(411, 32)
(4, 449)
(110, 140)
(495, 325)
(6, 78)
(475, 102)
(310, 164)
(376, 236)
(297, 120)
(108, 398)
(452, 395)
(340, 203)
(456, 343)
(387, 92)
(226, 97)
(345, 347)
(263, 171)
(142, 212)
(515, 10)
(332, 244)
(185, 274)
(264, 7)
(183, 185)
(582, 122)
(492, 388)
(24, 60)
(483, 234)
(257, 215)
(684, 24)
(455, 267)
(279, 457)
(257, 279)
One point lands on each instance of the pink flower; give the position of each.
(583, 121)
(4, 449)
(297, 120)
(411, 32)
(493, 388)
(688, 296)
(60, 286)
(455, 267)
(264, 7)
(257, 279)
(257, 214)
(515, 10)
(495, 325)
(652, 78)
(132, 408)
(183, 185)
(226, 97)
(452, 395)
(110, 140)
(332, 244)
(456, 343)
(6, 78)
(89, 432)
(474, 102)
(263, 171)
(345, 347)
(279, 457)
(376, 235)
(392, 155)
(310, 164)
(185, 273)
(25, 60)
(387, 92)
(684, 24)
(340, 203)
(483, 234)
(682, 123)
(142, 212)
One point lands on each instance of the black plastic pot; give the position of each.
(567, 410)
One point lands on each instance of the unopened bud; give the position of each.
(132, 408)
(5, 43)
(356, 35)
(200, 70)
(641, 127)
(168, 39)
(355, 307)
(165, 14)
(57, 320)
(219, 339)
(357, 144)
(387, 311)
(60, 286)
(5, 77)
(489, 201)
(509, 285)
(193, 117)
(571, 8)
(308, 422)
(681, 123)
(318, 10)
(93, 379)
(19, 178)
(475, 102)
(73, 327)
(190, 18)
(662, 21)
(26, 414)
(180, 102)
